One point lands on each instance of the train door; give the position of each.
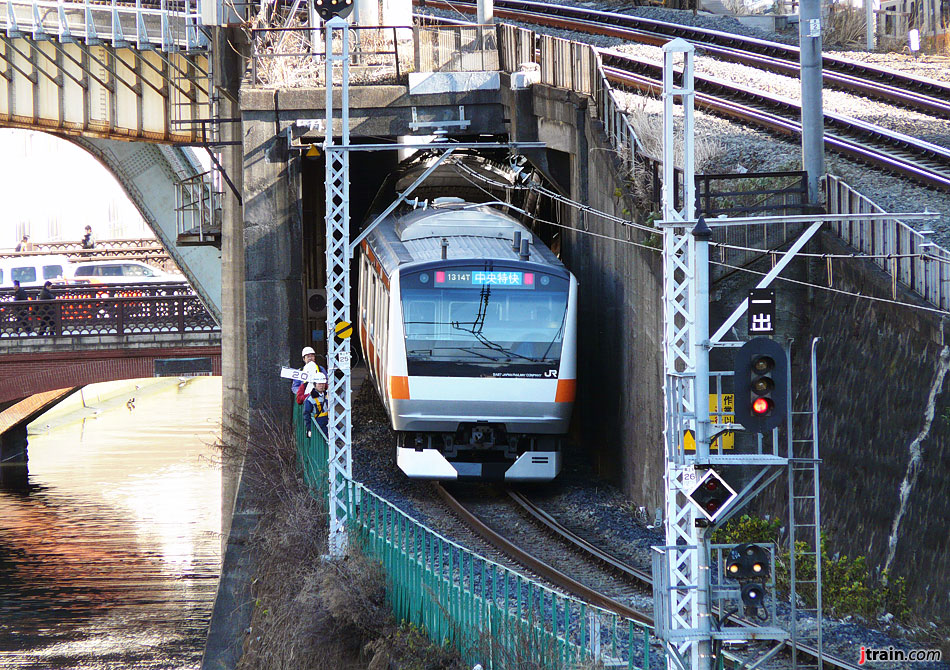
(384, 332)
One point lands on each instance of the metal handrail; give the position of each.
(144, 26)
(907, 255)
(455, 594)
(314, 39)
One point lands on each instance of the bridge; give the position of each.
(146, 250)
(132, 85)
(96, 334)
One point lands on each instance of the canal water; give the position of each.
(109, 558)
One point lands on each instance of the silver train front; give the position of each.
(478, 377)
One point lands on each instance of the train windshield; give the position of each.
(482, 322)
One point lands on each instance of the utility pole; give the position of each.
(813, 118)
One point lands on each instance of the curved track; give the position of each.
(551, 527)
(838, 72)
(902, 155)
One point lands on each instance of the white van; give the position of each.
(32, 270)
(120, 272)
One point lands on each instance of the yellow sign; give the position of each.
(727, 415)
(343, 330)
(313, 152)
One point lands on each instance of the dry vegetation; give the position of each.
(845, 27)
(293, 58)
(311, 613)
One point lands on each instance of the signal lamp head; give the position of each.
(762, 385)
(753, 595)
(761, 405)
(762, 364)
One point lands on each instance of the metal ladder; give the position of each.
(804, 529)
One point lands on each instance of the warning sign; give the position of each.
(343, 330)
(725, 415)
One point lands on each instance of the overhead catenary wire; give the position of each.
(820, 287)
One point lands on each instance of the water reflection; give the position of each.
(110, 557)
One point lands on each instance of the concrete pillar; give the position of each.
(13, 457)
(273, 290)
(233, 328)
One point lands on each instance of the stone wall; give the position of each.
(619, 408)
(884, 426)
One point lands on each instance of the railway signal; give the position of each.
(761, 385)
(327, 9)
(749, 565)
(712, 495)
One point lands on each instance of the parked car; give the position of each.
(35, 270)
(121, 272)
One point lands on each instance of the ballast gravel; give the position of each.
(594, 509)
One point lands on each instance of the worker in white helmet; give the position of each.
(309, 366)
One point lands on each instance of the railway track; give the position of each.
(498, 526)
(838, 72)
(922, 162)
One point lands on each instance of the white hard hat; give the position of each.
(307, 350)
(319, 378)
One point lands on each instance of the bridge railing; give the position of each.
(85, 291)
(104, 316)
(168, 25)
(148, 251)
(453, 48)
(907, 255)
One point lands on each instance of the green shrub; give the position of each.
(848, 587)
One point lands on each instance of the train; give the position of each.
(469, 326)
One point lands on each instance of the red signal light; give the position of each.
(761, 405)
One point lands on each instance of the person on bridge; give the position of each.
(22, 313)
(316, 404)
(25, 245)
(45, 312)
(88, 241)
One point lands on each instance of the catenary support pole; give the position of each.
(338, 287)
(813, 120)
(688, 646)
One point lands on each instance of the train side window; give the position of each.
(378, 303)
(371, 302)
(384, 334)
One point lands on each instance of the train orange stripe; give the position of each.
(566, 389)
(399, 388)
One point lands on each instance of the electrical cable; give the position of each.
(543, 191)
(935, 310)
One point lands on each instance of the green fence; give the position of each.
(493, 615)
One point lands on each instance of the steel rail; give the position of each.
(851, 126)
(904, 167)
(558, 529)
(651, 31)
(544, 570)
